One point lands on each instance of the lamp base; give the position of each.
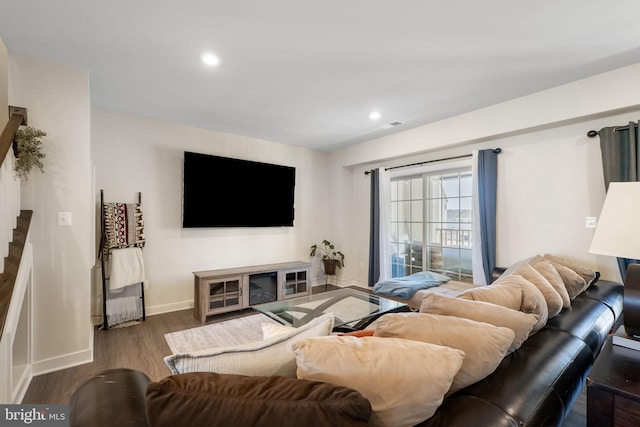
(631, 304)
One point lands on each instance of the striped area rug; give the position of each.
(222, 334)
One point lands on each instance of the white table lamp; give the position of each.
(618, 234)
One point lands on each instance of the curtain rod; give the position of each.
(593, 133)
(494, 151)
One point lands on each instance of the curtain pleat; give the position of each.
(486, 176)
(374, 230)
(384, 229)
(620, 163)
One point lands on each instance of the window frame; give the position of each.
(400, 266)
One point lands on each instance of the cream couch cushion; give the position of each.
(272, 356)
(513, 292)
(520, 323)
(573, 282)
(551, 296)
(587, 274)
(545, 268)
(502, 295)
(404, 380)
(484, 345)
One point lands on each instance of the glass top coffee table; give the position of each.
(352, 309)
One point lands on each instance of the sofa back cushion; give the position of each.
(484, 345)
(574, 283)
(505, 296)
(520, 323)
(589, 276)
(209, 399)
(515, 292)
(547, 270)
(404, 380)
(551, 296)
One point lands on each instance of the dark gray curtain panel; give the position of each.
(487, 172)
(374, 231)
(620, 163)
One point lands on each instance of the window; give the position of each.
(431, 224)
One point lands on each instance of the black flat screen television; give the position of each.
(225, 192)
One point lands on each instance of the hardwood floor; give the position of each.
(143, 347)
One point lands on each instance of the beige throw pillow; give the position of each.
(520, 323)
(515, 265)
(573, 282)
(587, 274)
(553, 277)
(532, 299)
(405, 381)
(513, 292)
(272, 356)
(484, 345)
(551, 296)
(505, 296)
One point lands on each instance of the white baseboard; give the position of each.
(62, 362)
(343, 283)
(22, 385)
(168, 308)
(359, 284)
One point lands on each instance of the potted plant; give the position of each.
(28, 149)
(331, 258)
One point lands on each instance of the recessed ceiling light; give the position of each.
(210, 59)
(375, 115)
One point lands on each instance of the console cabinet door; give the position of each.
(222, 294)
(296, 283)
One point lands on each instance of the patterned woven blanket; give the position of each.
(124, 226)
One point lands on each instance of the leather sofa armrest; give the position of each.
(115, 397)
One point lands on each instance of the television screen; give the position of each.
(226, 192)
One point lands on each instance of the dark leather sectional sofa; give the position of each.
(538, 384)
(534, 386)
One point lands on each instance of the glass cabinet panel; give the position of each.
(295, 283)
(224, 293)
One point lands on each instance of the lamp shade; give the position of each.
(618, 230)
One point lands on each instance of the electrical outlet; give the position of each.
(590, 222)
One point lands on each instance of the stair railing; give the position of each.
(9, 187)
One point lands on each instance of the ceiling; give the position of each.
(308, 73)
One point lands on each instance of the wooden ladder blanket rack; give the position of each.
(104, 252)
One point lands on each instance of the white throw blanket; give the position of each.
(127, 268)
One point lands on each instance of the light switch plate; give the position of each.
(590, 222)
(64, 219)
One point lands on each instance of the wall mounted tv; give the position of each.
(226, 192)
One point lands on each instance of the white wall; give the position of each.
(550, 172)
(57, 99)
(134, 154)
